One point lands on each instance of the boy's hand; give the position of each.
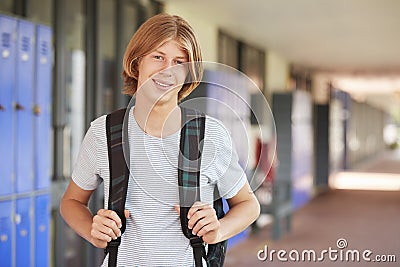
(204, 222)
(106, 227)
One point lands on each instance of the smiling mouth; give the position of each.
(163, 85)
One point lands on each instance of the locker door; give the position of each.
(8, 27)
(23, 232)
(24, 103)
(42, 107)
(6, 233)
(42, 234)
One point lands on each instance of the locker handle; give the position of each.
(2, 108)
(19, 107)
(36, 110)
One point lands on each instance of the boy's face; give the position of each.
(162, 72)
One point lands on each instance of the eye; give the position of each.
(180, 61)
(158, 57)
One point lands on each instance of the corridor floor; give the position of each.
(346, 223)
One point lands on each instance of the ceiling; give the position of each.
(354, 38)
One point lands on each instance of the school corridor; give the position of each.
(309, 90)
(365, 219)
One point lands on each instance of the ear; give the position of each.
(135, 67)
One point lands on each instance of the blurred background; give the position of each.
(329, 70)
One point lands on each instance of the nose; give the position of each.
(168, 67)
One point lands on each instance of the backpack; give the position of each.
(192, 135)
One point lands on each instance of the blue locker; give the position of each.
(42, 99)
(42, 234)
(23, 232)
(6, 233)
(8, 28)
(24, 104)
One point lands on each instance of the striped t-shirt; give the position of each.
(153, 235)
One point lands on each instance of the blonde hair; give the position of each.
(152, 34)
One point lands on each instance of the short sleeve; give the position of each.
(222, 163)
(85, 172)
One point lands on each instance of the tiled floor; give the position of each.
(365, 219)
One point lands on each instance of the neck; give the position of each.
(160, 119)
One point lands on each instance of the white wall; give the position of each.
(277, 72)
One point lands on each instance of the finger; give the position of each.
(205, 221)
(196, 207)
(212, 226)
(104, 230)
(111, 229)
(196, 217)
(112, 215)
(177, 209)
(127, 214)
(100, 235)
(200, 214)
(106, 226)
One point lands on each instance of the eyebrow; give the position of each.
(180, 57)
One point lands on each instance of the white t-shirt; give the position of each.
(153, 235)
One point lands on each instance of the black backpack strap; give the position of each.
(192, 135)
(216, 252)
(119, 175)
